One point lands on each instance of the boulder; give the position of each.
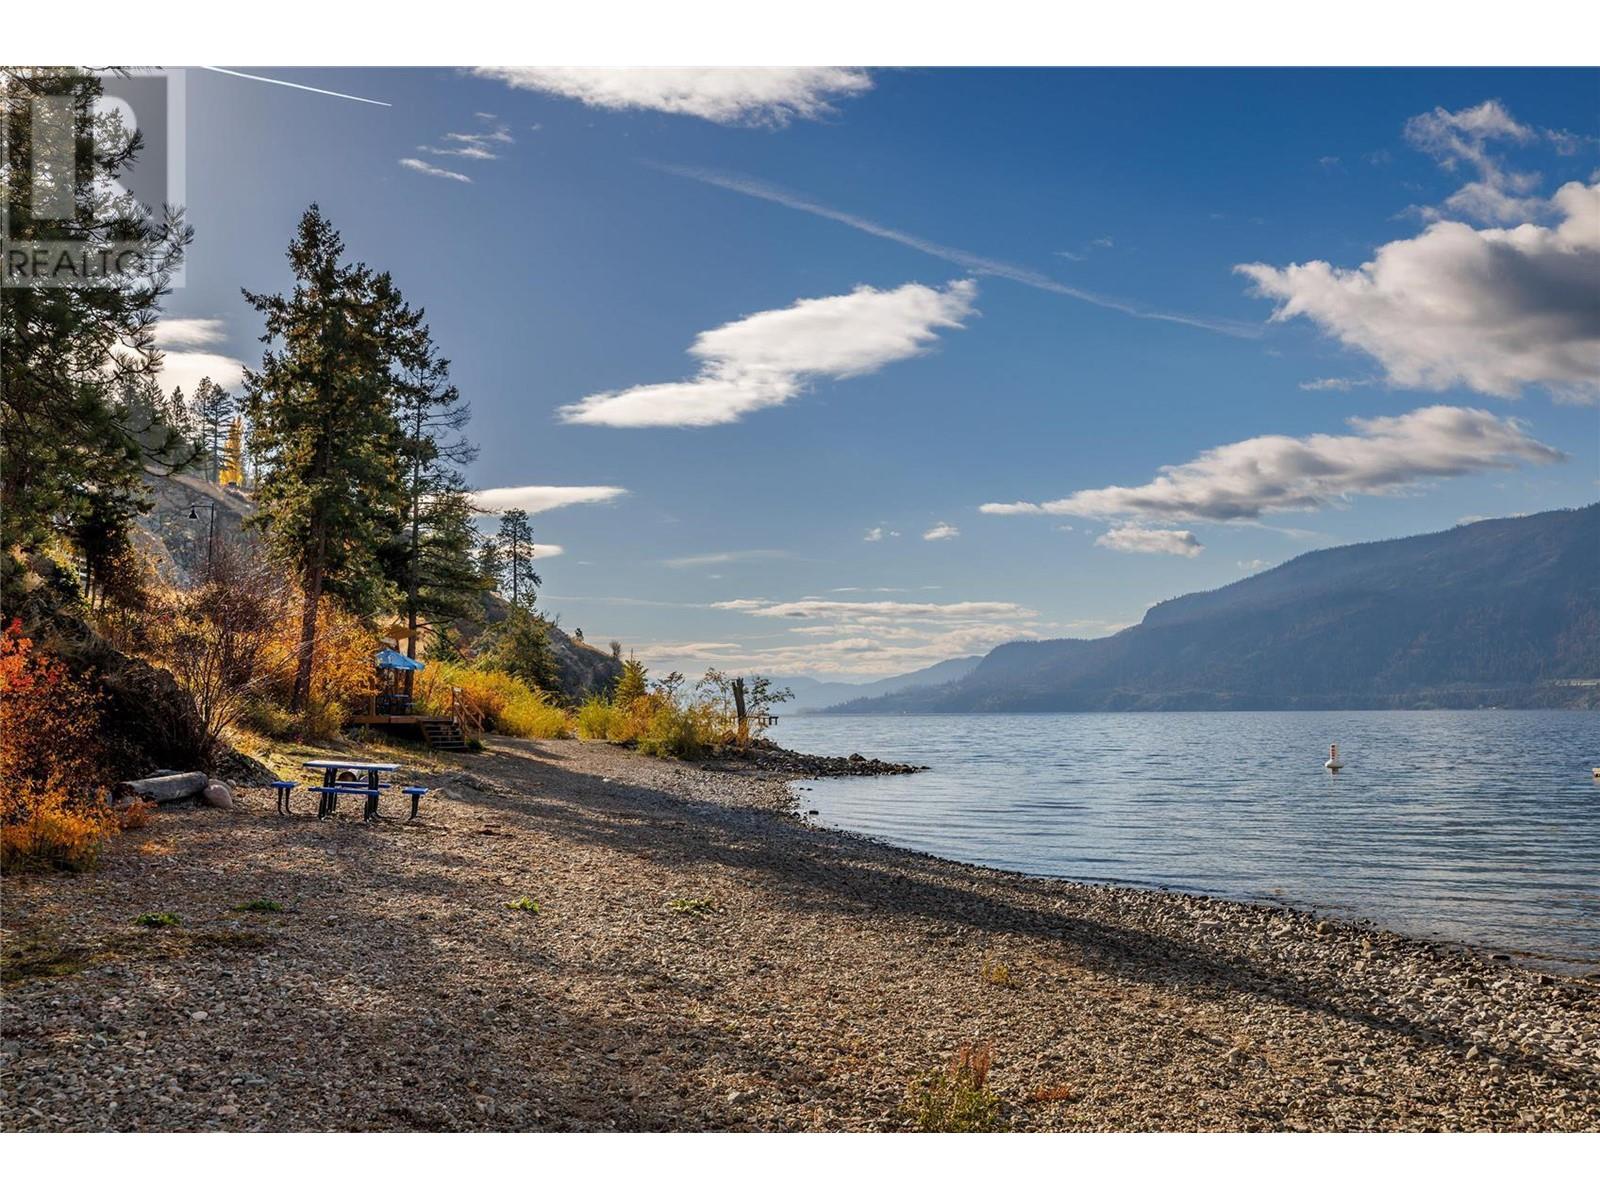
(217, 795)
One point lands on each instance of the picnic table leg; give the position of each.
(371, 813)
(330, 802)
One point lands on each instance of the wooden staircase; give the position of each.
(442, 733)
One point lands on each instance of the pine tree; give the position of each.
(449, 580)
(433, 562)
(516, 549)
(322, 426)
(520, 646)
(633, 682)
(63, 430)
(491, 563)
(233, 456)
(212, 408)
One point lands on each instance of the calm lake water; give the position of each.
(1475, 827)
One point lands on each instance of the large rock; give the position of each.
(217, 795)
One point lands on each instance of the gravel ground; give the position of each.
(702, 959)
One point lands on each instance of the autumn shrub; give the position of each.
(220, 639)
(594, 718)
(682, 730)
(533, 716)
(54, 810)
(659, 721)
(342, 678)
(957, 1099)
(267, 716)
(321, 720)
(504, 703)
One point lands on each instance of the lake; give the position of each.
(1474, 827)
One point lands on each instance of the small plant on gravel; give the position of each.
(695, 907)
(957, 1099)
(1052, 1094)
(996, 974)
(268, 906)
(523, 904)
(161, 920)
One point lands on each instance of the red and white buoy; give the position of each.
(1333, 763)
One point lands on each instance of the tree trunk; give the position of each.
(308, 629)
(164, 788)
(416, 565)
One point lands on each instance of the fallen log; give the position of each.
(163, 789)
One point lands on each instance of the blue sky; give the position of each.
(1053, 314)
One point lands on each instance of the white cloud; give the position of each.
(1245, 480)
(724, 556)
(183, 365)
(1492, 309)
(813, 609)
(190, 331)
(547, 550)
(976, 263)
(538, 498)
(480, 146)
(727, 95)
(1463, 138)
(766, 359)
(868, 637)
(1254, 564)
(1334, 385)
(877, 533)
(427, 168)
(941, 532)
(1138, 539)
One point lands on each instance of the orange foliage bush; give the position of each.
(342, 677)
(53, 807)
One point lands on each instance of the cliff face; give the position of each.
(1502, 612)
(177, 544)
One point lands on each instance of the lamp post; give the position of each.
(211, 532)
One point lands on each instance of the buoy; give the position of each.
(1333, 763)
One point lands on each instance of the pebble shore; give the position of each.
(694, 955)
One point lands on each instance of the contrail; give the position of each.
(299, 86)
(975, 263)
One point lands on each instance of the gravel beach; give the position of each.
(693, 955)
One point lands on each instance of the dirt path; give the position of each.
(700, 960)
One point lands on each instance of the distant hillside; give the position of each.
(813, 694)
(1503, 612)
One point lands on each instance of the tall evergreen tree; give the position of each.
(212, 409)
(323, 428)
(449, 582)
(63, 429)
(516, 551)
(434, 562)
(491, 563)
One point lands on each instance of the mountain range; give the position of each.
(1493, 613)
(813, 694)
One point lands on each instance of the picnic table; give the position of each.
(332, 788)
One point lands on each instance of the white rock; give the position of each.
(217, 795)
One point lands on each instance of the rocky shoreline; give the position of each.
(767, 758)
(694, 955)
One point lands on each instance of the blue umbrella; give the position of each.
(395, 661)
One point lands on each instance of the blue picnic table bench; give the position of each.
(334, 787)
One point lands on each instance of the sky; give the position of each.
(840, 372)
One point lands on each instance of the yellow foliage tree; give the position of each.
(233, 456)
